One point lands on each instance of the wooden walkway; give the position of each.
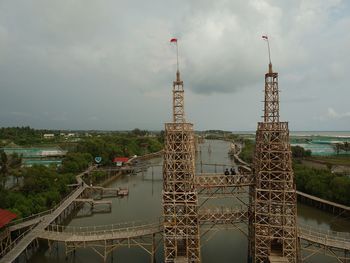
(332, 207)
(100, 233)
(221, 215)
(21, 245)
(26, 223)
(206, 180)
(215, 216)
(326, 238)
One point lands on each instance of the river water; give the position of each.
(144, 203)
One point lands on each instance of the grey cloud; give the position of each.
(109, 64)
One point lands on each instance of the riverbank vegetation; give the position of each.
(322, 183)
(247, 152)
(41, 187)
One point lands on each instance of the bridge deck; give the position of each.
(109, 233)
(327, 238)
(25, 224)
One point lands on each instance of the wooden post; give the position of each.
(153, 258)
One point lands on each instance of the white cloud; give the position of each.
(332, 114)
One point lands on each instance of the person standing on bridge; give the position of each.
(227, 172)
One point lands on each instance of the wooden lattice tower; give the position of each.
(180, 202)
(273, 233)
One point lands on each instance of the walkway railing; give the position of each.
(13, 243)
(102, 229)
(104, 232)
(220, 180)
(324, 237)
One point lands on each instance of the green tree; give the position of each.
(300, 152)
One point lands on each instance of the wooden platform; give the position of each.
(277, 259)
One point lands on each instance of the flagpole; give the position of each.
(177, 56)
(268, 47)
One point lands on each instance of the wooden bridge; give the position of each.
(323, 204)
(311, 238)
(44, 226)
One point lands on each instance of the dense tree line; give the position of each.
(113, 145)
(20, 135)
(42, 188)
(341, 147)
(322, 183)
(318, 182)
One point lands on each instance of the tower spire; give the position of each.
(272, 226)
(178, 91)
(271, 101)
(266, 38)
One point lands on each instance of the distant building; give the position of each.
(49, 135)
(120, 161)
(39, 156)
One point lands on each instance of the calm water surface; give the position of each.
(144, 203)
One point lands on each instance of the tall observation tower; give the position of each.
(180, 202)
(273, 233)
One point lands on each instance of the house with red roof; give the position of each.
(5, 217)
(120, 161)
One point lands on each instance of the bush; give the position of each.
(322, 183)
(300, 152)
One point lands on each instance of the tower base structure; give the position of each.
(273, 232)
(180, 201)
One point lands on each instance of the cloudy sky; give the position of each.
(108, 64)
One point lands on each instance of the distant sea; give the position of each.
(319, 142)
(334, 134)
